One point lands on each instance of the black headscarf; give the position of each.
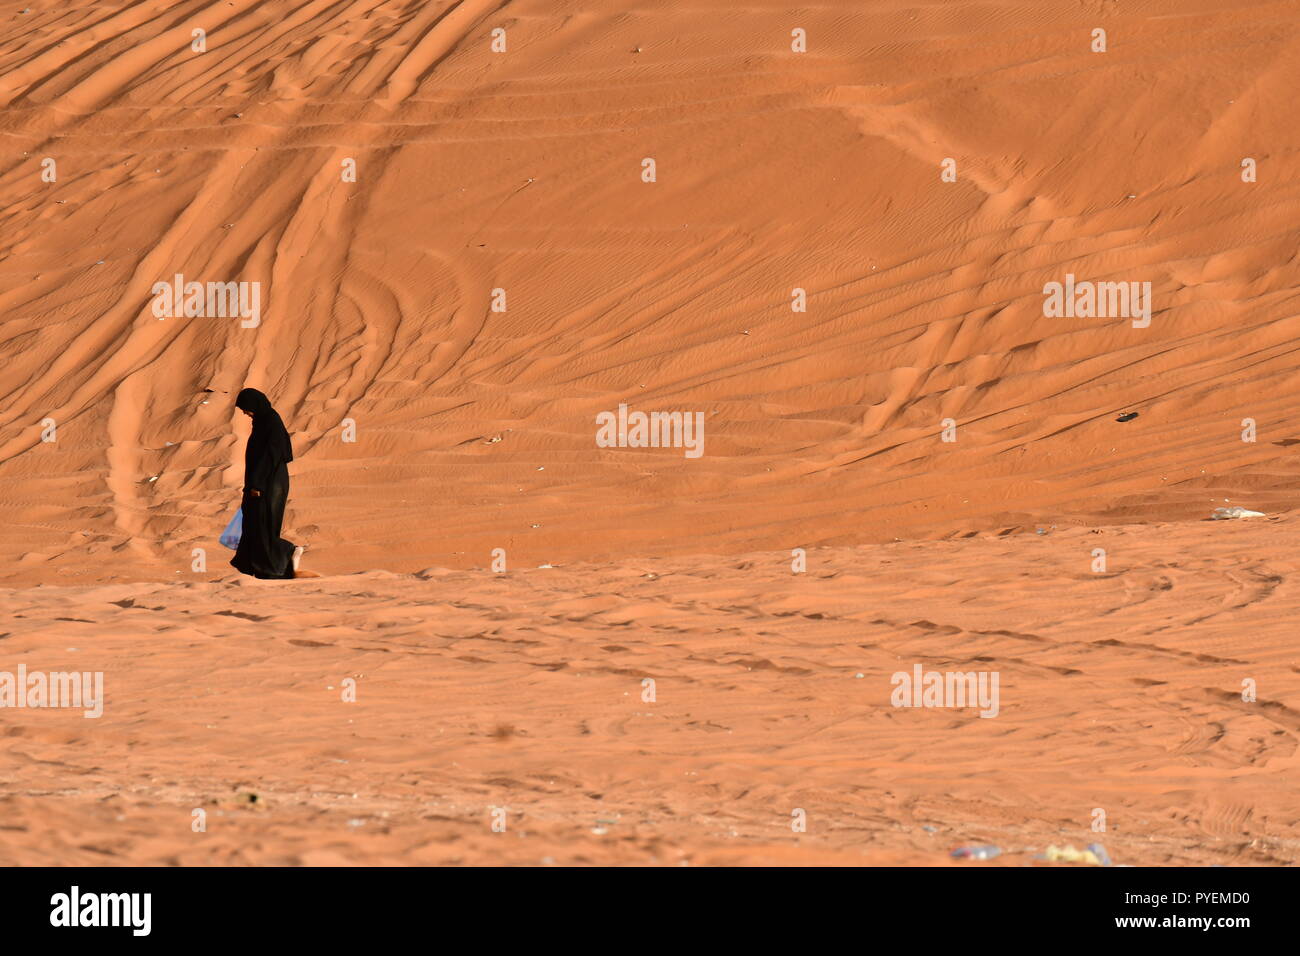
(269, 444)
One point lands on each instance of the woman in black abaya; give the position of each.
(262, 552)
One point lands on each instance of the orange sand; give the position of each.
(522, 171)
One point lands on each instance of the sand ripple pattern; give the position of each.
(523, 691)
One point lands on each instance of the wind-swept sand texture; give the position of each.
(1119, 691)
(475, 429)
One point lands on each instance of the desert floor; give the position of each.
(478, 692)
(461, 260)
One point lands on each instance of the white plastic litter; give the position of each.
(1234, 512)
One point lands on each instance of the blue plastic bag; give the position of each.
(234, 531)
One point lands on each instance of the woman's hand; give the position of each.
(254, 492)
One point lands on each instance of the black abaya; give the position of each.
(262, 552)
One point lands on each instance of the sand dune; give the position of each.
(498, 273)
